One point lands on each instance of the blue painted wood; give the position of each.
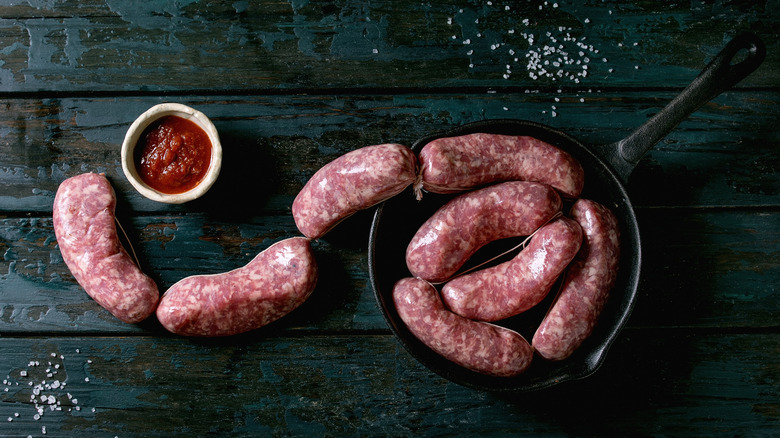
(293, 85)
(368, 385)
(160, 46)
(725, 154)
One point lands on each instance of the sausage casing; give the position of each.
(85, 227)
(274, 283)
(478, 346)
(512, 287)
(453, 164)
(587, 284)
(466, 223)
(354, 181)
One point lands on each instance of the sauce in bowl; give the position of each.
(173, 155)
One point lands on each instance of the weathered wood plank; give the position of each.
(689, 255)
(292, 85)
(701, 268)
(162, 46)
(368, 386)
(726, 154)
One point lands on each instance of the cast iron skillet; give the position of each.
(607, 169)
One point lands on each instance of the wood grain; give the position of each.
(291, 86)
(701, 269)
(369, 385)
(272, 145)
(161, 46)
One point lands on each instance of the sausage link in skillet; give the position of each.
(458, 229)
(512, 287)
(586, 286)
(478, 346)
(454, 164)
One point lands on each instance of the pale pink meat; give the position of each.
(273, 284)
(586, 287)
(85, 227)
(479, 346)
(466, 223)
(512, 287)
(354, 181)
(453, 164)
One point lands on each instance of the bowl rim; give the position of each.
(137, 128)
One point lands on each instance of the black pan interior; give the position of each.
(396, 221)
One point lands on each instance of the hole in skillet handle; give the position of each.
(398, 219)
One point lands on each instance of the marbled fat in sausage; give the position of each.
(453, 164)
(85, 227)
(466, 223)
(354, 181)
(586, 286)
(478, 346)
(273, 284)
(512, 287)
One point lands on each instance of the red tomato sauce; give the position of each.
(172, 155)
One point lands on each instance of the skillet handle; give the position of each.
(741, 56)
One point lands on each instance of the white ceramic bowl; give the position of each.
(134, 133)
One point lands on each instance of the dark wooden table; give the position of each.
(291, 86)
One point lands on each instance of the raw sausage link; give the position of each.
(84, 224)
(478, 346)
(453, 164)
(354, 181)
(586, 286)
(466, 223)
(273, 284)
(512, 287)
